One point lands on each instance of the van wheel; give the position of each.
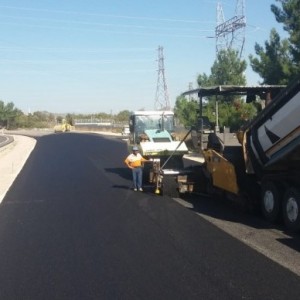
(291, 206)
(271, 201)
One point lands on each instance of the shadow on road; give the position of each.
(224, 209)
(293, 242)
(123, 187)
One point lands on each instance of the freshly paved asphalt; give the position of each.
(71, 228)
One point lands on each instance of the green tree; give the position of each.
(273, 64)
(228, 69)
(22, 121)
(235, 114)
(289, 15)
(186, 111)
(123, 116)
(104, 117)
(279, 61)
(8, 114)
(204, 80)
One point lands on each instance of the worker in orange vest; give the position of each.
(134, 161)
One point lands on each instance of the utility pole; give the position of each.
(162, 97)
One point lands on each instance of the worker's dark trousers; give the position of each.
(137, 175)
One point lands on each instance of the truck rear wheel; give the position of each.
(291, 206)
(271, 201)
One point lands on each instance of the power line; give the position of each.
(188, 21)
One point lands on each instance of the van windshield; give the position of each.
(154, 122)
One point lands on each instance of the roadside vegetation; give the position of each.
(276, 62)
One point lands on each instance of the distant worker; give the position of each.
(134, 161)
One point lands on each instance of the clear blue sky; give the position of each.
(101, 55)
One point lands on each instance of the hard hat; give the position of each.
(135, 148)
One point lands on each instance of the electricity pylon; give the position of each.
(230, 34)
(162, 97)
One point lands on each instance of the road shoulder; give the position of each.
(12, 159)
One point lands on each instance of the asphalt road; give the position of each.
(4, 140)
(71, 228)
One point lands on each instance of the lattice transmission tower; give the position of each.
(161, 97)
(230, 34)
